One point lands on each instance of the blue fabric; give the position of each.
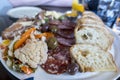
(30, 78)
(5, 5)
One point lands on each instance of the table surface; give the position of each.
(4, 23)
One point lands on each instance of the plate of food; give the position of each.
(53, 47)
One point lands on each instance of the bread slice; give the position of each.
(104, 38)
(91, 15)
(91, 58)
(90, 18)
(88, 13)
(93, 35)
(90, 21)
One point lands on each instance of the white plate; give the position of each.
(20, 12)
(40, 74)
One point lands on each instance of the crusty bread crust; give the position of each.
(92, 58)
(93, 40)
(93, 35)
(89, 19)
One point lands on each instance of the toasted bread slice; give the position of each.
(91, 15)
(90, 21)
(100, 35)
(90, 18)
(91, 58)
(93, 35)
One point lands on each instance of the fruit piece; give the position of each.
(77, 6)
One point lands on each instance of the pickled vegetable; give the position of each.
(16, 67)
(52, 43)
(26, 69)
(24, 37)
(45, 34)
(6, 42)
(54, 29)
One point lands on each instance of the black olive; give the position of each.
(52, 43)
(54, 29)
(44, 28)
(72, 68)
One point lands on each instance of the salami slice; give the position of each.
(57, 61)
(66, 42)
(14, 30)
(62, 26)
(68, 23)
(66, 33)
(54, 22)
(54, 66)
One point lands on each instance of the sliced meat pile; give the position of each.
(12, 31)
(16, 29)
(65, 33)
(59, 58)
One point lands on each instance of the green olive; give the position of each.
(54, 29)
(52, 43)
(16, 67)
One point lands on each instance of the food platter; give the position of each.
(40, 73)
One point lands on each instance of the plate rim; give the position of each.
(9, 13)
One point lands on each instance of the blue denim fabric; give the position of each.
(5, 5)
(31, 78)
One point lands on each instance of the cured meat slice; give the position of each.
(68, 23)
(58, 60)
(66, 33)
(66, 42)
(62, 26)
(12, 31)
(54, 22)
(54, 66)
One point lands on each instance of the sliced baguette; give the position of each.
(91, 15)
(93, 35)
(91, 58)
(91, 20)
(88, 13)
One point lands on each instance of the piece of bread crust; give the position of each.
(90, 19)
(91, 58)
(93, 35)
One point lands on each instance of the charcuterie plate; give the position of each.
(41, 74)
